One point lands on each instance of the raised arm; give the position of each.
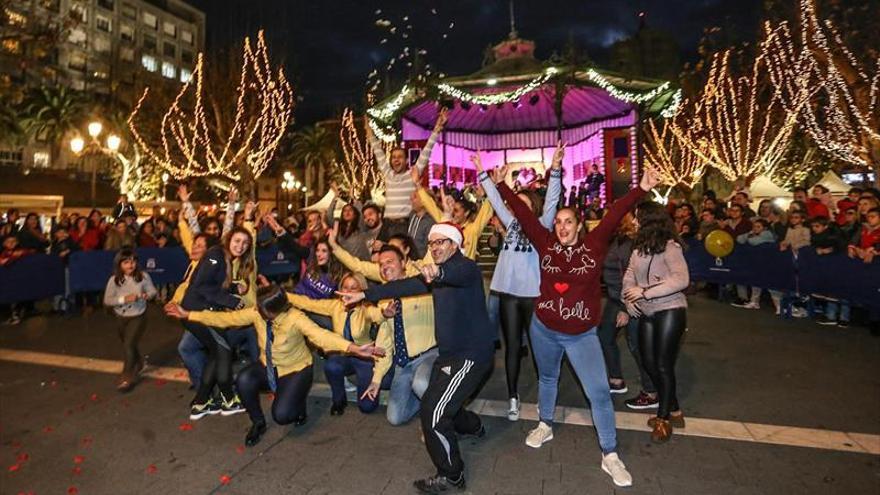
(331, 210)
(554, 188)
(612, 218)
(320, 306)
(328, 341)
(229, 221)
(378, 149)
(537, 234)
(412, 286)
(495, 200)
(425, 154)
(225, 319)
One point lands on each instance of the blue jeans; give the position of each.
(194, 355)
(408, 386)
(831, 310)
(337, 367)
(585, 355)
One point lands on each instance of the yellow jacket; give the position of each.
(249, 297)
(186, 240)
(362, 317)
(418, 328)
(472, 229)
(289, 350)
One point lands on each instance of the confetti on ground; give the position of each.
(93, 397)
(225, 479)
(72, 490)
(152, 469)
(240, 449)
(23, 457)
(15, 467)
(185, 427)
(76, 471)
(78, 459)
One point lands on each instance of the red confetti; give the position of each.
(48, 429)
(225, 479)
(152, 469)
(76, 471)
(78, 459)
(72, 490)
(185, 427)
(23, 457)
(240, 449)
(15, 467)
(93, 397)
(160, 382)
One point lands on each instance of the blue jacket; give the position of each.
(461, 322)
(206, 291)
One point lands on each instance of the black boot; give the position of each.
(338, 409)
(255, 433)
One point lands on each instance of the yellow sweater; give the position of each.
(186, 240)
(289, 350)
(369, 269)
(362, 317)
(418, 328)
(471, 229)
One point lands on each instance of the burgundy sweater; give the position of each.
(570, 300)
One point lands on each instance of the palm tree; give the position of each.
(313, 147)
(50, 112)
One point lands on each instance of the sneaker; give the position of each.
(350, 387)
(751, 305)
(513, 410)
(823, 320)
(739, 303)
(439, 484)
(477, 434)
(618, 389)
(231, 407)
(799, 313)
(843, 324)
(199, 411)
(615, 468)
(542, 434)
(642, 401)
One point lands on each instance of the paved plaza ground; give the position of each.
(774, 407)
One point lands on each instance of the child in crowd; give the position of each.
(127, 292)
(796, 237)
(62, 246)
(708, 223)
(760, 234)
(827, 239)
(866, 244)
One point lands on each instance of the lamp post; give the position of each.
(291, 186)
(165, 178)
(94, 148)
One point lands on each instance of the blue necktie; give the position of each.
(346, 332)
(270, 368)
(401, 355)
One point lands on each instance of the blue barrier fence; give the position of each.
(41, 276)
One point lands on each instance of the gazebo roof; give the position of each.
(518, 93)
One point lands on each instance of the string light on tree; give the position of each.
(190, 146)
(358, 169)
(677, 164)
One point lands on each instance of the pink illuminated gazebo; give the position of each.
(516, 109)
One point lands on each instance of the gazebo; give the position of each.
(517, 108)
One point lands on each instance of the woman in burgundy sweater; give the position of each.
(568, 311)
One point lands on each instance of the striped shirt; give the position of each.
(399, 186)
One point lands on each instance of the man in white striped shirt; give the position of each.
(398, 183)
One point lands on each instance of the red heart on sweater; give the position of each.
(561, 288)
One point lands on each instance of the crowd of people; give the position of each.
(393, 297)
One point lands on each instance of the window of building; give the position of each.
(102, 44)
(126, 32)
(186, 36)
(129, 10)
(150, 63)
(107, 4)
(77, 61)
(169, 50)
(41, 159)
(126, 54)
(169, 29)
(102, 22)
(168, 70)
(16, 19)
(12, 45)
(78, 37)
(186, 56)
(80, 11)
(10, 158)
(98, 74)
(150, 20)
(185, 75)
(149, 43)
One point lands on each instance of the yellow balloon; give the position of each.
(719, 243)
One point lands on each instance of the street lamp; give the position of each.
(165, 179)
(113, 142)
(80, 148)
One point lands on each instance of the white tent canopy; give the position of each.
(322, 204)
(834, 183)
(762, 188)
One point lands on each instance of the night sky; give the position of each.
(330, 46)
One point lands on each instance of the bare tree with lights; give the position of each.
(674, 160)
(358, 170)
(197, 138)
(843, 115)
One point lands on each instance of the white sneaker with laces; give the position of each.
(615, 468)
(350, 387)
(542, 434)
(513, 410)
(751, 305)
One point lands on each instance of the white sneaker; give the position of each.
(799, 312)
(751, 305)
(615, 468)
(513, 410)
(542, 434)
(350, 387)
